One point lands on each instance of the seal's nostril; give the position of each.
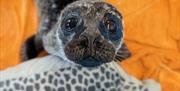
(98, 41)
(83, 42)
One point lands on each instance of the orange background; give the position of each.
(152, 33)
(18, 20)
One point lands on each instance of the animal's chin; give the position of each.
(90, 62)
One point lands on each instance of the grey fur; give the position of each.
(49, 19)
(55, 42)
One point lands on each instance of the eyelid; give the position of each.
(72, 15)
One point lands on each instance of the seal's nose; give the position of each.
(90, 37)
(87, 40)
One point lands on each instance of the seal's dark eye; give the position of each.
(110, 26)
(71, 23)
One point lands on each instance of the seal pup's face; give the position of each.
(88, 33)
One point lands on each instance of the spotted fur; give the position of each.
(76, 78)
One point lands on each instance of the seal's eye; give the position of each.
(110, 26)
(70, 23)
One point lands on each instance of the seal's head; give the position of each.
(89, 33)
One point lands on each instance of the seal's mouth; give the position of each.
(90, 62)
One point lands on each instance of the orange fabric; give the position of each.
(18, 20)
(152, 33)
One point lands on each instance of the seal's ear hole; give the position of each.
(123, 53)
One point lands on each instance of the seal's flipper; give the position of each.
(31, 48)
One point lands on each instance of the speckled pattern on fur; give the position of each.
(106, 77)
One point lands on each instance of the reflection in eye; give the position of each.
(71, 23)
(110, 25)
